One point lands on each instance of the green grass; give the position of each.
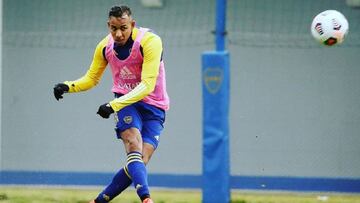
(67, 195)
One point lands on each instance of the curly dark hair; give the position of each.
(118, 11)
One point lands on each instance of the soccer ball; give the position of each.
(329, 27)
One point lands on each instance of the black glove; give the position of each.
(105, 110)
(59, 90)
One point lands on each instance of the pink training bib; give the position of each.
(127, 73)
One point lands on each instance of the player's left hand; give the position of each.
(105, 110)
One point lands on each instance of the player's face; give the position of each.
(120, 28)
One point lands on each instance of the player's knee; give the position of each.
(132, 139)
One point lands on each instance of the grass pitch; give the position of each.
(84, 195)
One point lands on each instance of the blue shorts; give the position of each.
(145, 117)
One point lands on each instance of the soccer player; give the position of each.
(134, 55)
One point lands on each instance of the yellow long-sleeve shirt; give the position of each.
(152, 50)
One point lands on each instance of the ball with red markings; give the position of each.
(329, 27)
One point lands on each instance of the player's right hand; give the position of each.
(59, 90)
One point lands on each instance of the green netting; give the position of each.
(258, 23)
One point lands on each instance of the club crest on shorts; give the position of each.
(128, 119)
(213, 77)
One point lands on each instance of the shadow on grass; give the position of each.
(237, 201)
(3, 197)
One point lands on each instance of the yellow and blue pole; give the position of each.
(215, 89)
